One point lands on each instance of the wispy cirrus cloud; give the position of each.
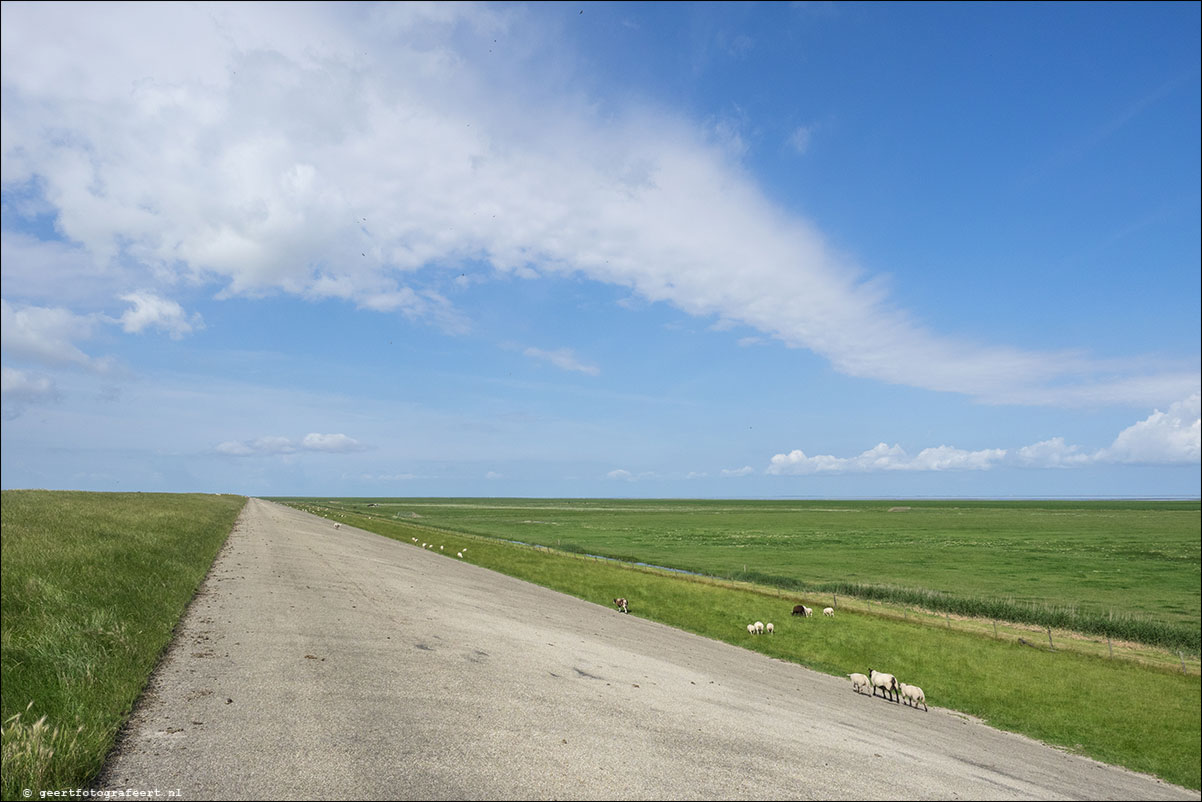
(563, 358)
(49, 336)
(319, 167)
(19, 389)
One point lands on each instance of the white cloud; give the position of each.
(1053, 453)
(47, 335)
(800, 139)
(276, 445)
(334, 154)
(18, 389)
(564, 358)
(1163, 438)
(334, 443)
(746, 470)
(261, 446)
(151, 311)
(621, 474)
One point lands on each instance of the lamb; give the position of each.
(770, 629)
(801, 609)
(759, 627)
(829, 612)
(886, 682)
(337, 526)
(858, 682)
(623, 607)
(751, 629)
(460, 555)
(913, 695)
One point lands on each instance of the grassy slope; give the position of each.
(1114, 711)
(93, 586)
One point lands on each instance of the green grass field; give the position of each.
(92, 587)
(1124, 569)
(1116, 711)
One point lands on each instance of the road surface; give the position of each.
(337, 664)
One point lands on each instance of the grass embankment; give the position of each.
(1118, 712)
(93, 585)
(1127, 570)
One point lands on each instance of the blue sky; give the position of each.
(589, 249)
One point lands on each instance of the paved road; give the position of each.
(337, 664)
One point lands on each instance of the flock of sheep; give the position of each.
(887, 684)
(430, 546)
(889, 687)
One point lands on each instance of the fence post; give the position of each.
(1182, 656)
(948, 616)
(1110, 646)
(1050, 644)
(995, 629)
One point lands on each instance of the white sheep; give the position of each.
(829, 612)
(886, 682)
(769, 628)
(759, 627)
(858, 682)
(460, 555)
(337, 526)
(751, 629)
(913, 695)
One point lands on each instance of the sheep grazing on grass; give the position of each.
(829, 612)
(751, 629)
(802, 610)
(460, 555)
(913, 695)
(886, 682)
(769, 628)
(623, 607)
(759, 627)
(858, 682)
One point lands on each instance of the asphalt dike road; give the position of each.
(323, 663)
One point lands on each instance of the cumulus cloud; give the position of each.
(746, 470)
(563, 358)
(334, 443)
(1163, 438)
(887, 458)
(621, 474)
(276, 445)
(151, 311)
(353, 154)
